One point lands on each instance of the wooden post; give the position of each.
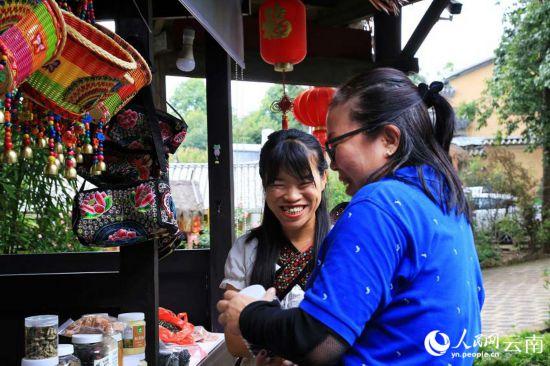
(220, 166)
(387, 37)
(139, 280)
(139, 290)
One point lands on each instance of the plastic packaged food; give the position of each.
(133, 336)
(93, 323)
(91, 351)
(66, 355)
(41, 336)
(52, 361)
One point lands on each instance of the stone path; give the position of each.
(515, 298)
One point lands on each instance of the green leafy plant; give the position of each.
(35, 210)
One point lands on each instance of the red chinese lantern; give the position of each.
(311, 108)
(282, 33)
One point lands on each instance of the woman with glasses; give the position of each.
(397, 281)
(281, 252)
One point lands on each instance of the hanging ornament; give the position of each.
(86, 12)
(52, 166)
(10, 156)
(311, 108)
(70, 139)
(58, 140)
(283, 106)
(87, 148)
(283, 42)
(98, 165)
(26, 150)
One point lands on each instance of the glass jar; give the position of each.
(52, 361)
(91, 351)
(66, 355)
(41, 336)
(133, 337)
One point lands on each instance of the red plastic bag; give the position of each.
(175, 329)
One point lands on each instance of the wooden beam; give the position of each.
(424, 27)
(220, 166)
(346, 12)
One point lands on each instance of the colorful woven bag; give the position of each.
(90, 68)
(141, 76)
(31, 34)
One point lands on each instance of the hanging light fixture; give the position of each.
(186, 61)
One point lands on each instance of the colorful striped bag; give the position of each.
(31, 34)
(90, 68)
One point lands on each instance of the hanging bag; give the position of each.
(90, 67)
(31, 34)
(123, 214)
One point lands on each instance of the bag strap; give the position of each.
(155, 129)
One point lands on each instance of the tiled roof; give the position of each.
(248, 188)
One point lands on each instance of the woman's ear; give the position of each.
(324, 179)
(391, 136)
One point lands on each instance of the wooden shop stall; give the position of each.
(344, 37)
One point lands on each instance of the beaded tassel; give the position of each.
(26, 150)
(52, 166)
(10, 156)
(58, 139)
(87, 136)
(98, 165)
(69, 138)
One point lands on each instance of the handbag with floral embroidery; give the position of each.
(138, 210)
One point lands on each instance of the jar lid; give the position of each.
(131, 317)
(87, 338)
(52, 361)
(65, 349)
(117, 336)
(41, 321)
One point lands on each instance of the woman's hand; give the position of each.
(262, 360)
(231, 306)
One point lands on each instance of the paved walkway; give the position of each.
(515, 298)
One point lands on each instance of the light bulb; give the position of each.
(186, 61)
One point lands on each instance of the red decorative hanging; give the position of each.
(283, 33)
(311, 108)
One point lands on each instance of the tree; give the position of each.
(190, 100)
(519, 91)
(249, 128)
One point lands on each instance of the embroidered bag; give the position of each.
(124, 214)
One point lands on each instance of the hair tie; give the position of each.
(429, 94)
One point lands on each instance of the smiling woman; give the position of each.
(281, 252)
(398, 272)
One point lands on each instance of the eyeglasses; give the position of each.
(330, 144)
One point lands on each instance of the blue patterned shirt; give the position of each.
(398, 278)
